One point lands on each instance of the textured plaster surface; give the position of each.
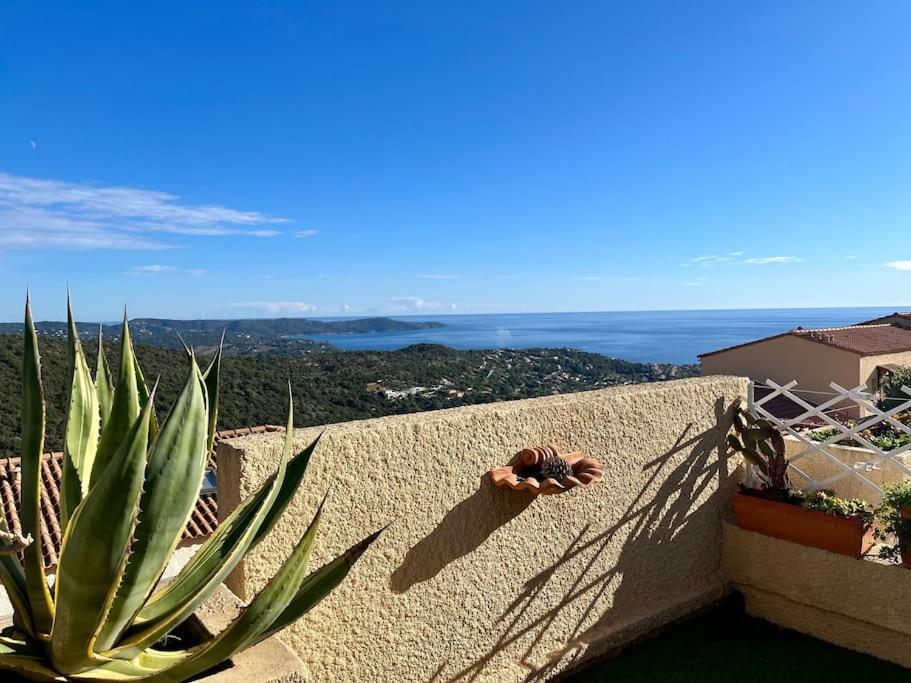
(268, 662)
(819, 467)
(471, 582)
(858, 604)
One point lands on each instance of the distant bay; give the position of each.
(646, 336)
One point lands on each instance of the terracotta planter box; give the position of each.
(842, 535)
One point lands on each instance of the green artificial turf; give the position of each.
(725, 644)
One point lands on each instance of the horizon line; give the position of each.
(456, 315)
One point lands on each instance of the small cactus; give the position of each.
(763, 446)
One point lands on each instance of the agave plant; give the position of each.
(129, 486)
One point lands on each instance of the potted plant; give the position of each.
(776, 508)
(894, 513)
(129, 485)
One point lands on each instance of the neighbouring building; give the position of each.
(851, 356)
(900, 318)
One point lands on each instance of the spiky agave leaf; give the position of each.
(39, 595)
(230, 532)
(83, 424)
(174, 476)
(27, 659)
(95, 550)
(319, 584)
(256, 618)
(125, 406)
(211, 377)
(114, 551)
(104, 385)
(199, 578)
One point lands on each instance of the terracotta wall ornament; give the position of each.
(543, 471)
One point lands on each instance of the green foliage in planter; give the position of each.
(762, 445)
(829, 503)
(882, 435)
(891, 390)
(129, 486)
(894, 515)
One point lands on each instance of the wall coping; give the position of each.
(631, 391)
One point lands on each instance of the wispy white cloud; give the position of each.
(612, 278)
(438, 276)
(304, 234)
(708, 261)
(276, 306)
(735, 257)
(156, 269)
(406, 304)
(899, 265)
(38, 213)
(770, 260)
(697, 282)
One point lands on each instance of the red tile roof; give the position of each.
(203, 520)
(901, 318)
(864, 340)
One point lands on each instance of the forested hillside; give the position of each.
(337, 385)
(243, 337)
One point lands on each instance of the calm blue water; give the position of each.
(658, 336)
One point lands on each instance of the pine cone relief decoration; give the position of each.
(543, 470)
(555, 467)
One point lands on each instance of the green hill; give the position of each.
(253, 335)
(335, 386)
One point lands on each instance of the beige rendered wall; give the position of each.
(476, 583)
(785, 358)
(820, 468)
(868, 366)
(858, 604)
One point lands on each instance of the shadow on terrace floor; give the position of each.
(724, 644)
(662, 527)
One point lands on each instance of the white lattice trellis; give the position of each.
(839, 400)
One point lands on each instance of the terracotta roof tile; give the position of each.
(864, 340)
(203, 520)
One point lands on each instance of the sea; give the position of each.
(645, 336)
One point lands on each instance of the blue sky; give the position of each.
(324, 158)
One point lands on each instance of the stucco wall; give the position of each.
(858, 604)
(476, 583)
(785, 358)
(868, 373)
(821, 468)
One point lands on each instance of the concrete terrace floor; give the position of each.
(725, 644)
